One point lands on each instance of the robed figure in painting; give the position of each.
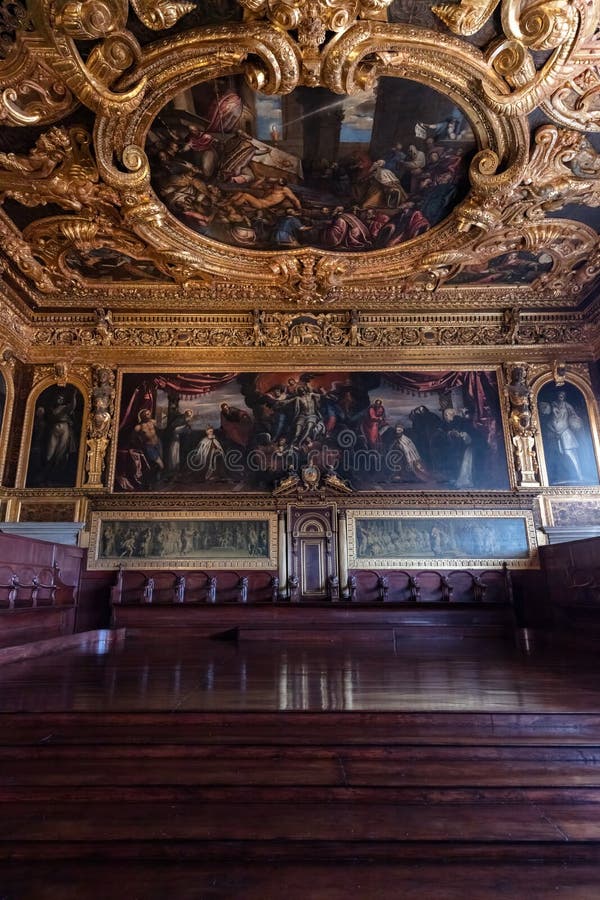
(566, 432)
(208, 459)
(567, 438)
(55, 439)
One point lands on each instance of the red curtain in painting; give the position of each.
(144, 394)
(481, 387)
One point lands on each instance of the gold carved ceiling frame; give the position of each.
(282, 45)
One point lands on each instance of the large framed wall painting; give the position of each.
(440, 538)
(231, 432)
(183, 540)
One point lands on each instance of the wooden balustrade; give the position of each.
(31, 588)
(163, 587)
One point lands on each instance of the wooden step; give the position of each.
(300, 729)
(442, 766)
(428, 877)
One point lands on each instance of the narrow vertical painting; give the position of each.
(55, 438)
(566, 435)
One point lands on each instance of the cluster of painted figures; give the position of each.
(302, 422)
(440, 538)
(147, 539)
(208, 176)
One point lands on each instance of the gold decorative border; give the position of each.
(95, 562)
(359, 562)
(5, 425)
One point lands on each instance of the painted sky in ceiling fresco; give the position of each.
(312, 168)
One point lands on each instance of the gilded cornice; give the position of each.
(331, 338)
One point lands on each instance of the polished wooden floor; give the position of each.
(210, 769)
(210, 675)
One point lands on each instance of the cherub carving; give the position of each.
(59, 169)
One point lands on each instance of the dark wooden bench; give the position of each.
(35, 603)
(431, 586)
(443, 603)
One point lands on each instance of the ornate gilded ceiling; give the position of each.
(335, 154)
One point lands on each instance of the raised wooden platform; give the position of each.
(325, 622)
(496, 795)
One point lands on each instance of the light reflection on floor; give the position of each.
(206, 675)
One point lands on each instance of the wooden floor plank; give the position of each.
(157, 881)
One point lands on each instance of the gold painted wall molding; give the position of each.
(334, 338)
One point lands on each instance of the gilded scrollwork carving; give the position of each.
(308, 279)
(564, 168)
(159, 14)
(546, 57)
(566, 83)
(30, 91)
(331, 330)
(467, 16)
(270, 59)
(73, 246)
(21, 254)
(59, 169)
(118, 51)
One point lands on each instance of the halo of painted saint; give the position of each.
(352, 173)
(226, 432)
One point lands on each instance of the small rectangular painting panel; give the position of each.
(576, 511)
(409, 539)
(189, 540)
(47, 512)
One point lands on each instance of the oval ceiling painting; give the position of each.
(342, 173)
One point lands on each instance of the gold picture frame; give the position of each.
(440, 538)
(194, 539)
